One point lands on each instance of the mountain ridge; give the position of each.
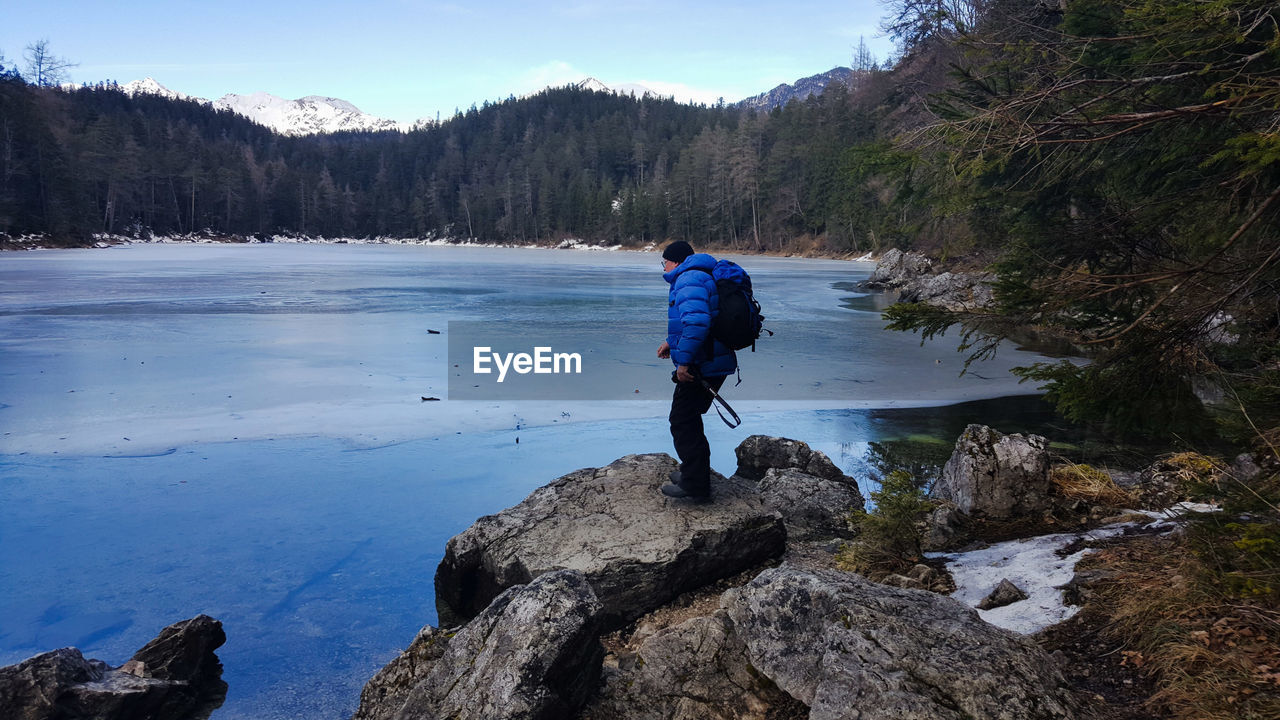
(313, 114)
(802, 90)
(304, 116)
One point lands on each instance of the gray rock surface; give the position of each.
(850, 648)
(953, 291)
(758, 453)
(896, 268)
(387, 691)
(996, 476)
(183, 651)
(637, 548)
(175, 677)
(920, 577)
(812, 507)
(697, 670)
(532, 654)
(1244, 467)
(945, 527)
(1006, 593)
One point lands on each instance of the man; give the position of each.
(692, 305)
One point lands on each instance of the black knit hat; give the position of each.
(677, 251)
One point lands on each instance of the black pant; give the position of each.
(688, 404)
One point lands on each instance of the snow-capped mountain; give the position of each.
(619, 89)
(304, 116)
(803, 88)
(150, 87)
(592, 84)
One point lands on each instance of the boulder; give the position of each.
(1244, 467)
(896, 268)
(850, 648)
(812, 507)
(1006, 593)
(637, 548)
(945, 527)
(387, 691)
(996, 476)
(697, 670)
(952, 291)
(175, 677)
(534, 653)
(758, 453)
(182, 652)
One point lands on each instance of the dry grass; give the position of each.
(1195, 467)
(1084, 482)
(1212, 656)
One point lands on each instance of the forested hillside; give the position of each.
(562, 163)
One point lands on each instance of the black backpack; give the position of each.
(739, 323)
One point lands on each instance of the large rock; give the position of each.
(175, 677)
(182, 652)
(850, 648)
(386, 692)
(637, 548)
(697, 670)
(945, 527)
(996, 476)
(533, 654)
(812, 507)
(897, 268)
(952, 291)
(758, 453)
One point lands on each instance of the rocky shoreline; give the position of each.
(599, 598)
(176, 675)
(911, 276)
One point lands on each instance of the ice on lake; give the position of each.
(239, 430)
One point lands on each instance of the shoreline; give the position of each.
(104, 241)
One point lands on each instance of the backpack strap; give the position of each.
(719, 402)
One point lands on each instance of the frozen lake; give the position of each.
(240, 431)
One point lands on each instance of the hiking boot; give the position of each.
(672, 490)
(675, 476)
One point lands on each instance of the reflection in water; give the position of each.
(874, 302)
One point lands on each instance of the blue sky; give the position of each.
(406, 59)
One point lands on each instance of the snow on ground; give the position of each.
(1033, 565)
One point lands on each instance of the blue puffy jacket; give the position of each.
(693, 304)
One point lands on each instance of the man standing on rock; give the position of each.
(692, 306)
